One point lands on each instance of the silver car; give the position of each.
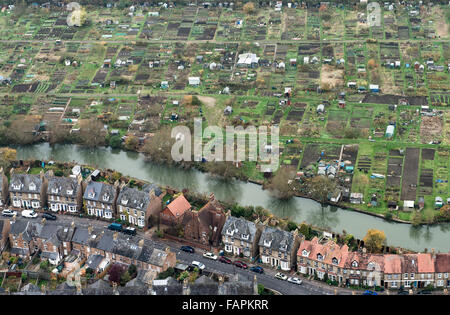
(294, 280)
(9, 213)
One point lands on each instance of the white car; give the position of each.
(9, 213)
(281, 276)
(198, 264)
(210, 255)
(29, 214)
(294, 280)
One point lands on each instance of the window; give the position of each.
(319, 257)
(305, 253)
(411, 276)
(355, 264)
(69, 192)
(406, 276)
(335, 261)
(445, 275)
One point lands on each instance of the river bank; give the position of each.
(246, 193)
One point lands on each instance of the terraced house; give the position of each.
(22, 237)
(136, 206)
(65, 193)
(319, 259)
(28, 191)
(442, 270)
(54, 241)
(240, 236)
(278, 248)
(100, 199)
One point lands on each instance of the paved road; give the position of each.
(267, 279)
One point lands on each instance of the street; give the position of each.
(267, 279)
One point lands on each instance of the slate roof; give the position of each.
(279, 240)
(133, 198)
(27, 228)
(238, 227)
(62, 185)
(24, 181)
(100, 190)
(93, 261)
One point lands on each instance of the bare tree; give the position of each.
(282, 185)
(92, 133)
(158, 148)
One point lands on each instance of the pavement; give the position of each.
(267, 279)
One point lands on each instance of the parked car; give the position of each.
(425, 291)
(403, 292)
(9, 213)
(198, 265)
(187, 249)
(49, 216)
(368, 292)
(240, 264)
(115, 227)
(294, 280)
(210, 255)
(281, 276)
(130, 231)
(29, 214)
(225, 260)
(13, 267)
(257, 269)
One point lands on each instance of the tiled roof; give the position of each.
(179, 206)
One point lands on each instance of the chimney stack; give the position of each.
(141, 242)
(167, 250)
(115, 235)
(90, 229)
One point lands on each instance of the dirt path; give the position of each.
(207, 100)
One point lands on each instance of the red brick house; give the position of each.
(173, 213)
(205, 226)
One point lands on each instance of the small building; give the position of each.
(320, 108)
(194, 81)
(421, 203)
(164, 84)
(351, 85)
(408, 205)
(374, 88)
(390, 131)
(356, 198)
(438, 202)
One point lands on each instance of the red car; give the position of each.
(224, 260)
(240, 264)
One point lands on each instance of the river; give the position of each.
(297, 209)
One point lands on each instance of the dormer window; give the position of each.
(124, 202)
(105, 197)
(319, 257)
(91, 194)
(355, 264)
(335, 261)
(305, 253)
(283, 247)
(54, 190)
(230, 232)
(370, 265)
(16, 187)
(69, 192)
(245, 236)
(32, 186)
(267, 243)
